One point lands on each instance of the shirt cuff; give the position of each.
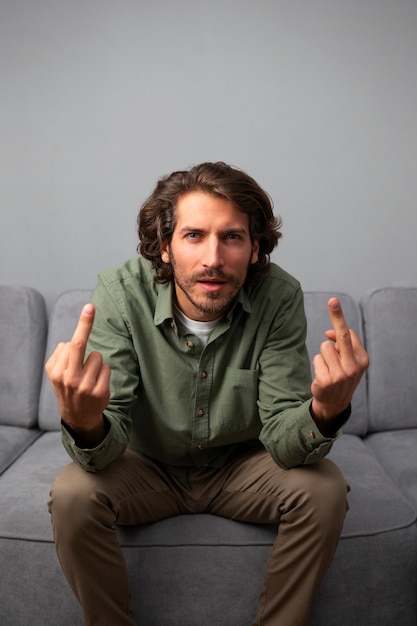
(92, 459)
(317, 444)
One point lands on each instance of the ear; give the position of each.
(255, 252)
(165, 256)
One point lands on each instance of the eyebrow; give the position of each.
(226, 231)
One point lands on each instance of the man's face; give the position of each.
(210, 253)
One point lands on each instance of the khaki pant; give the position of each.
(308, 502)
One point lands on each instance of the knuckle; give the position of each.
(345, 335)
(325, 346)
(54, 374)
(96, 357)
(348, 378)
(352, 370)
(70, 384)
(78, 343)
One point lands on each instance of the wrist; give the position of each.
(328, 426)
(88, 438)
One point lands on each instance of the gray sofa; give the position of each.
(202, 570)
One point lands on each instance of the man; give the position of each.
(196, 396)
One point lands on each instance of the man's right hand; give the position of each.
(82, 386)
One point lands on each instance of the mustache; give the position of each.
(213, 274)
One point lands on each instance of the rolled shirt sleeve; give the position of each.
(289, 432)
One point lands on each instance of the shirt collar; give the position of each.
(164, 310)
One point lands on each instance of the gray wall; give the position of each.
(316, 99)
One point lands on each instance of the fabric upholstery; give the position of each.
(390, 317)
(376, 502)
(376, 576)
(14, 440)
(186, 561)
(23, 325)
(178, 566)
(397, 452)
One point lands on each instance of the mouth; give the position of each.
(212, 285)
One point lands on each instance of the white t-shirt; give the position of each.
(202, 330)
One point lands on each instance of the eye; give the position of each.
(192, 236)
(233, 236)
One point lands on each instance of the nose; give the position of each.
(212, 256)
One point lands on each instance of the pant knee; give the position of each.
(332, 488)
(321, 491)
(75, 500)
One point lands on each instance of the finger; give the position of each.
(56, 354)
(103, 384)
(57, 362)
(79, 339)
(95, 383)
(361, 354)
(321, 370)
(358, 350)
(342, 332)
(91, 370)
(322, 379)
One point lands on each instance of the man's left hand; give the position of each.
(338, 368)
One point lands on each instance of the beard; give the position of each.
(209, 302)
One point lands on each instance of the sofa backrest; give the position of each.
(62, 323)
(317, 323)
(390, 320)
(23, 324)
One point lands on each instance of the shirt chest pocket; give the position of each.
(238, 409)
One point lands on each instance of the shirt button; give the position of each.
(200, 446)
(190, 344)
(200, 413)
(312, 434)
(204, 374)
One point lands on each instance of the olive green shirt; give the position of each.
(186, 405)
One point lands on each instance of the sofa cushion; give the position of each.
(390, 329)
(317, 323)
(62, 323)
(13, 442)
(175, 561)
(376, 503)
(25, 486)
(396, 450)
(23, 324)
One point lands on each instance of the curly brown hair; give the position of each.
(157, 216)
